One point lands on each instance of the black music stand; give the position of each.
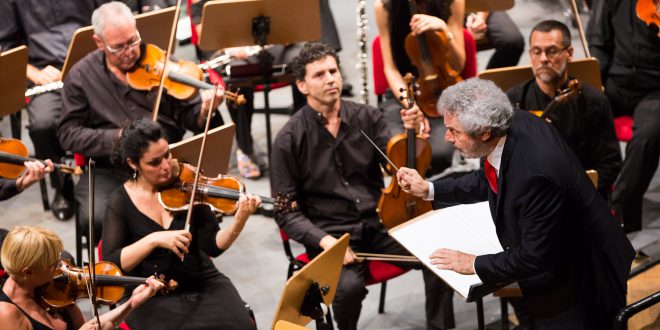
(236, 23)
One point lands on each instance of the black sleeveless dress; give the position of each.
(36, 325)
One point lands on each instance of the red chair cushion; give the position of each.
(623, 126)
(379, 271)
(79, 159)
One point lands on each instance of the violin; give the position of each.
(649, 12)
(71, 283)
(183, 77)
(406, 149)
(13, 153)
(573, 87)
(220, 193)
(429, 53)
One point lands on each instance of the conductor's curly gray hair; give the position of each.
(479, 106)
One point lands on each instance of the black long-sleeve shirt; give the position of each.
(45, 26)
(7, 189)
(585, 122)
(96, 105)
(622, 42)
(336, 181)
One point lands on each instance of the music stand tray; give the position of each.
(323, 270)
(229, 22)
(218, 146)
(13, 80)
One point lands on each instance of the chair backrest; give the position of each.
(380, 81)
(13, 80)
(587, 70)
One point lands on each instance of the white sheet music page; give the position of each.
(468, 228)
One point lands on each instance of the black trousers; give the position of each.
(106, 180)
(633, 96)
(441, 151)
(44, 113)
(506, 38)
(351, 289)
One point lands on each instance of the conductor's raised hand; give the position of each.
(176, 241)
(411, 182)
(462, 263)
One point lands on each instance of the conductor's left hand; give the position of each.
(457, 261)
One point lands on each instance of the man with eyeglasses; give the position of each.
(46, 27)
(97, 102)
(585, 120)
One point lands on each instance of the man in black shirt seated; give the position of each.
(629, 55)
(322, 160)
(585, 120)
(97, 101)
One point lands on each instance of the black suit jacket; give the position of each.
(560, 241)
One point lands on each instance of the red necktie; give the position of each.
(491, 175)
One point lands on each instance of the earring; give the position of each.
(135, 174)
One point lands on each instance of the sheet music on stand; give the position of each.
(468, 228)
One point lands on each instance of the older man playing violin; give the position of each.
(97, 101)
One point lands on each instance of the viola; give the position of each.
(13, 153)
(183, 77)
(220, 193)
(406, 149)
(71, 283)
(649, 12)
(573, 87)
(429, 53)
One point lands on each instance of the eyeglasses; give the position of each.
(126, 46)
(550, 52)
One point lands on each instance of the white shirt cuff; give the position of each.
(431, 194)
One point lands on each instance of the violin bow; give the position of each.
(200, 158)
(168, 51)
(91, 282)
(587, 54)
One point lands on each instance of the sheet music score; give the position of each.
(468, 228)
